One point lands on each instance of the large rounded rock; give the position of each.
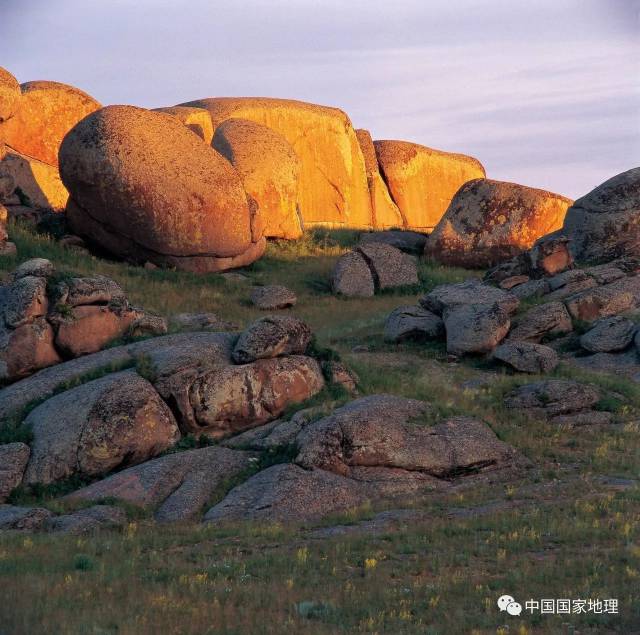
(472, 291)
(412, 323)
(385, 212)
(236, 398)
(605, 223)
(111, 422)
(390, 266)
(543, 321)
(352, 277)
(489, 221)
(422, 181)
(48, 110)
(475, 328)
(333, 184)
(9, 94)
(196, 119)
(146, 189)
(270, 171)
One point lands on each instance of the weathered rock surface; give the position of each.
(177, 485)
(338, 373)
(604, 301)
(543, 321)
(9, 94)
(148, 326)
(146, 189)
(390, 266)
(35, 184)
(87, 329)
(550, 255)
(422, 181)
(609, 335)
(26, 519)
(475, 328)
(352, 277)
(270, 171)
(553, 397)
(288, 493)
(272, 336)
(527, 357)
(447, 296)
(377, 432)
(48, 110)
(236, 398)
(412, 322)
(24, 301)
(272, 297)
(111, 422)
(87, 520)
(37, 267)
(196, 119)
(408, 241)
(13, 460)
(605, 223)
(385, 212)
(333, 184)
(489, 221)
(201, 322)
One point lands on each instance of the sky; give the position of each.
(544, 92)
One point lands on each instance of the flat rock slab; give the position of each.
(472, 291)
(289, 493)
(553, 397)
(609, 335)
(14, 518)
(88, 520)
(545, 320)
(177, 485)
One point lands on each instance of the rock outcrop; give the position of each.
(490, 221)
(144, 188)
(412, 323)
(272, 297)
(46, 113)
(333, 183)
(13, 461)
(605, 223)
(385, 213)
(111, 422)
(272, 336)
(422, 181)
(9, 95)
(177, 486)
(527, 357)
(270, 171)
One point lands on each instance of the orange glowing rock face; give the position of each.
(46, 112)
(422, 181)
(9, 94)
(270, 171)
(333, 183)
(196, 119)
(489, 221)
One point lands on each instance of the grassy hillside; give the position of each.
(569, 529)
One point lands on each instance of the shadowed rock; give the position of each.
(26, 519)
(447, 296)
(13, 460)
(272, 297)
(288, 493)
(390, 266)
(475, 328)
(177, 485)
(410, 242)
(272, 336)
(111, 422)
(605, 223)
(87, 520)
(352, 276)
(412, 322)
(609, 335)
(545, 320)
(610, 299)
(527, 357)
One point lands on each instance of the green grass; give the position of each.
(558, 531)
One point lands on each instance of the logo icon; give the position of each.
(508, 603)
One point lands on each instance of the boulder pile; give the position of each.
(46, 317)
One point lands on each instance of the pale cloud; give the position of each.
(544, 93)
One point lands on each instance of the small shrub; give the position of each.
(82, 562)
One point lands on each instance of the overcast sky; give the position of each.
(543, 92)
